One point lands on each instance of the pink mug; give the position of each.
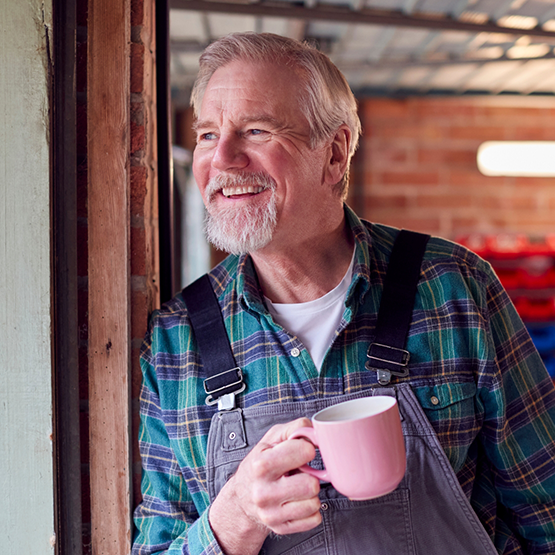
(362, 446)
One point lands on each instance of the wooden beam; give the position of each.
(365, 16)
(108, 93)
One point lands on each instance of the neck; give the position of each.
(308, 270)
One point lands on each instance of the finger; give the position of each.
(291, 498)
(298, 526)
(282, 432)
(275, 461)
(296, 487)
(297, 516)
(295, 425)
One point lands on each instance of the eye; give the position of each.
(256, 131)
(207, 136)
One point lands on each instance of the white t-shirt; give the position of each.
(314, 322)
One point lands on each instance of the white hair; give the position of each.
(326, 101)
(245, 229)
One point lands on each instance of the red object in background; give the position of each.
(533, 280)
(533, 272)
(536, 310)
(510, 278)
(543, 247)
(476, 243)
(525, 266)
(507, 246)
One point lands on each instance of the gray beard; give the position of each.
(239, 230)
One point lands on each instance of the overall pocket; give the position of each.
(379, 526)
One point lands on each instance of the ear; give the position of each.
(338, 155)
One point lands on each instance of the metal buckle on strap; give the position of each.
(221, 384)
(399, 358)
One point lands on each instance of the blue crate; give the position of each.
(543, 338)
(550, 365)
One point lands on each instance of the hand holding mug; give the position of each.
(362, 446)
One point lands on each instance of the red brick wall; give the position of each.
(416, 166)
(144, 204)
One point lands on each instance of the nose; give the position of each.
(229, 153)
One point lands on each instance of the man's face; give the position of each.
(262, 184)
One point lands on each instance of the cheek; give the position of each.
(282, 164)
(201, 169)
(197, 160)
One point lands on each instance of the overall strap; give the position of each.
(224, 379)
(387, 355)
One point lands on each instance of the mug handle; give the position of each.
(308, 433)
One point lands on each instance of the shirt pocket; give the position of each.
(443, 396)
(451, 410)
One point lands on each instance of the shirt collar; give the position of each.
(363, 260)
(248, 289)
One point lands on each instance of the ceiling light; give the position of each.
(517, 22)
(491, 53)
(529, 51)
(517, 158)
(474, 17)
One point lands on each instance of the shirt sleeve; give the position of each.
(519, 427)
(167, 520)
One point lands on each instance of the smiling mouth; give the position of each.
(244, 190)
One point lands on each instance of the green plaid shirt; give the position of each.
(469, 350)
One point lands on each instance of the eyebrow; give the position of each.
(262, 118)
(198, 124)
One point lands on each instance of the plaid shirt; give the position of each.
(473, 368)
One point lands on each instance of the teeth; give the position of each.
(229, 191)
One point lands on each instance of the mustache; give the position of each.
(243, 179)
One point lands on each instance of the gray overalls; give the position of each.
(428, 514)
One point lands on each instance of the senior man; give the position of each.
(306, 298)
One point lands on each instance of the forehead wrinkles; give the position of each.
(238, 112)
(264, 83)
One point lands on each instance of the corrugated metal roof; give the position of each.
(390, 47)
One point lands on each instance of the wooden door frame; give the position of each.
(109, 123)
(108, 117)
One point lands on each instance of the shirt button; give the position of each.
(295, 352)
(324, 506)
(434, 400)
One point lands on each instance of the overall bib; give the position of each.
(428, 513)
